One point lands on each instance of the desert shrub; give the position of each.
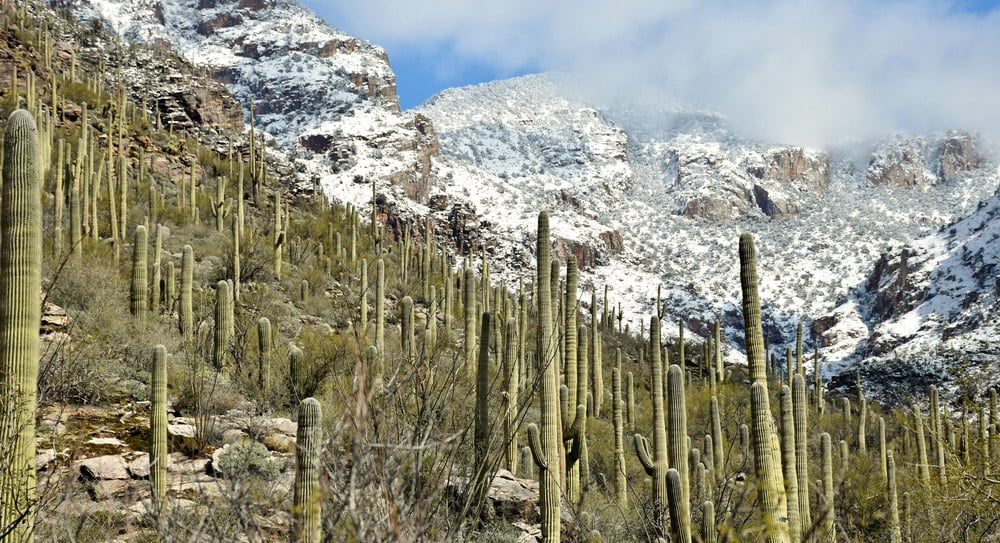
(250, 459)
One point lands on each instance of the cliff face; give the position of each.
(641, 196)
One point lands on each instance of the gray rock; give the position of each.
(104, 468)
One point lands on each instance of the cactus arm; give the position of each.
(535, 445)
(642, 451)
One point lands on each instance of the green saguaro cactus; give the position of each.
(771, 488)
(656, 464)
(800, 414)
(789, 461)
(680, 520)
(469, 305)
(158, 427)
(545, 444)
(264, 348)
(511, 375)
(482, 429)
(138, 291)
(186, 315)
(617, 406)
(407, 336)
(677, 450)
(307, 501)
(223, 324)
(826, 532)
(380, 307)
(895, 533)
(20, 313)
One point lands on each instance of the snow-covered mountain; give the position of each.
(642, 196)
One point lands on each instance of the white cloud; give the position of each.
(804, 71)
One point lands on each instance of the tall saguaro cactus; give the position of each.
(158, 426)
(307, 502)
(545, 447)
(766, 463)
(20, 313)
(655, 464)
(186, 314)
(138, 293)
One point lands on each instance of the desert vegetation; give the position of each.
(290, 367)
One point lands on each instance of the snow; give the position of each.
(510, 148)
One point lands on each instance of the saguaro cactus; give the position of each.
(223, 324)
(158, 426)
(545, 447)
(469, 305)
(264, 348)
(767, 466)
(677, 449)
(20, 313)
(800, 414)
(511, 375)
(482, 430)
(138, 292)
(656, 464)
(826, 532)
(789, 462)
(186, 316)
(380, 307)
(307, 504)
(621, 484)
(895, 533)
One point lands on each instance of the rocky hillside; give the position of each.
(641, 196)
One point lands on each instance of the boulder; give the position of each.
(104, 468)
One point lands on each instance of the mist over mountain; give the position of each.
(882, 244)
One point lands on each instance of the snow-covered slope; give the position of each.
(642, 196)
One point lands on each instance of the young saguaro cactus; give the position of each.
(158, 426)
(307, 501)
(20, 313)
(767, 465)
(138, 292)
(800, 414)
(545, 444)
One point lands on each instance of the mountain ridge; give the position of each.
(641, 197)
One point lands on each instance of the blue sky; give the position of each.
(810, 71)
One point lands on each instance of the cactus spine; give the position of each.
(307, 504)
(20, 313)
(158, 426)
(138, 293)
(545, 447)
